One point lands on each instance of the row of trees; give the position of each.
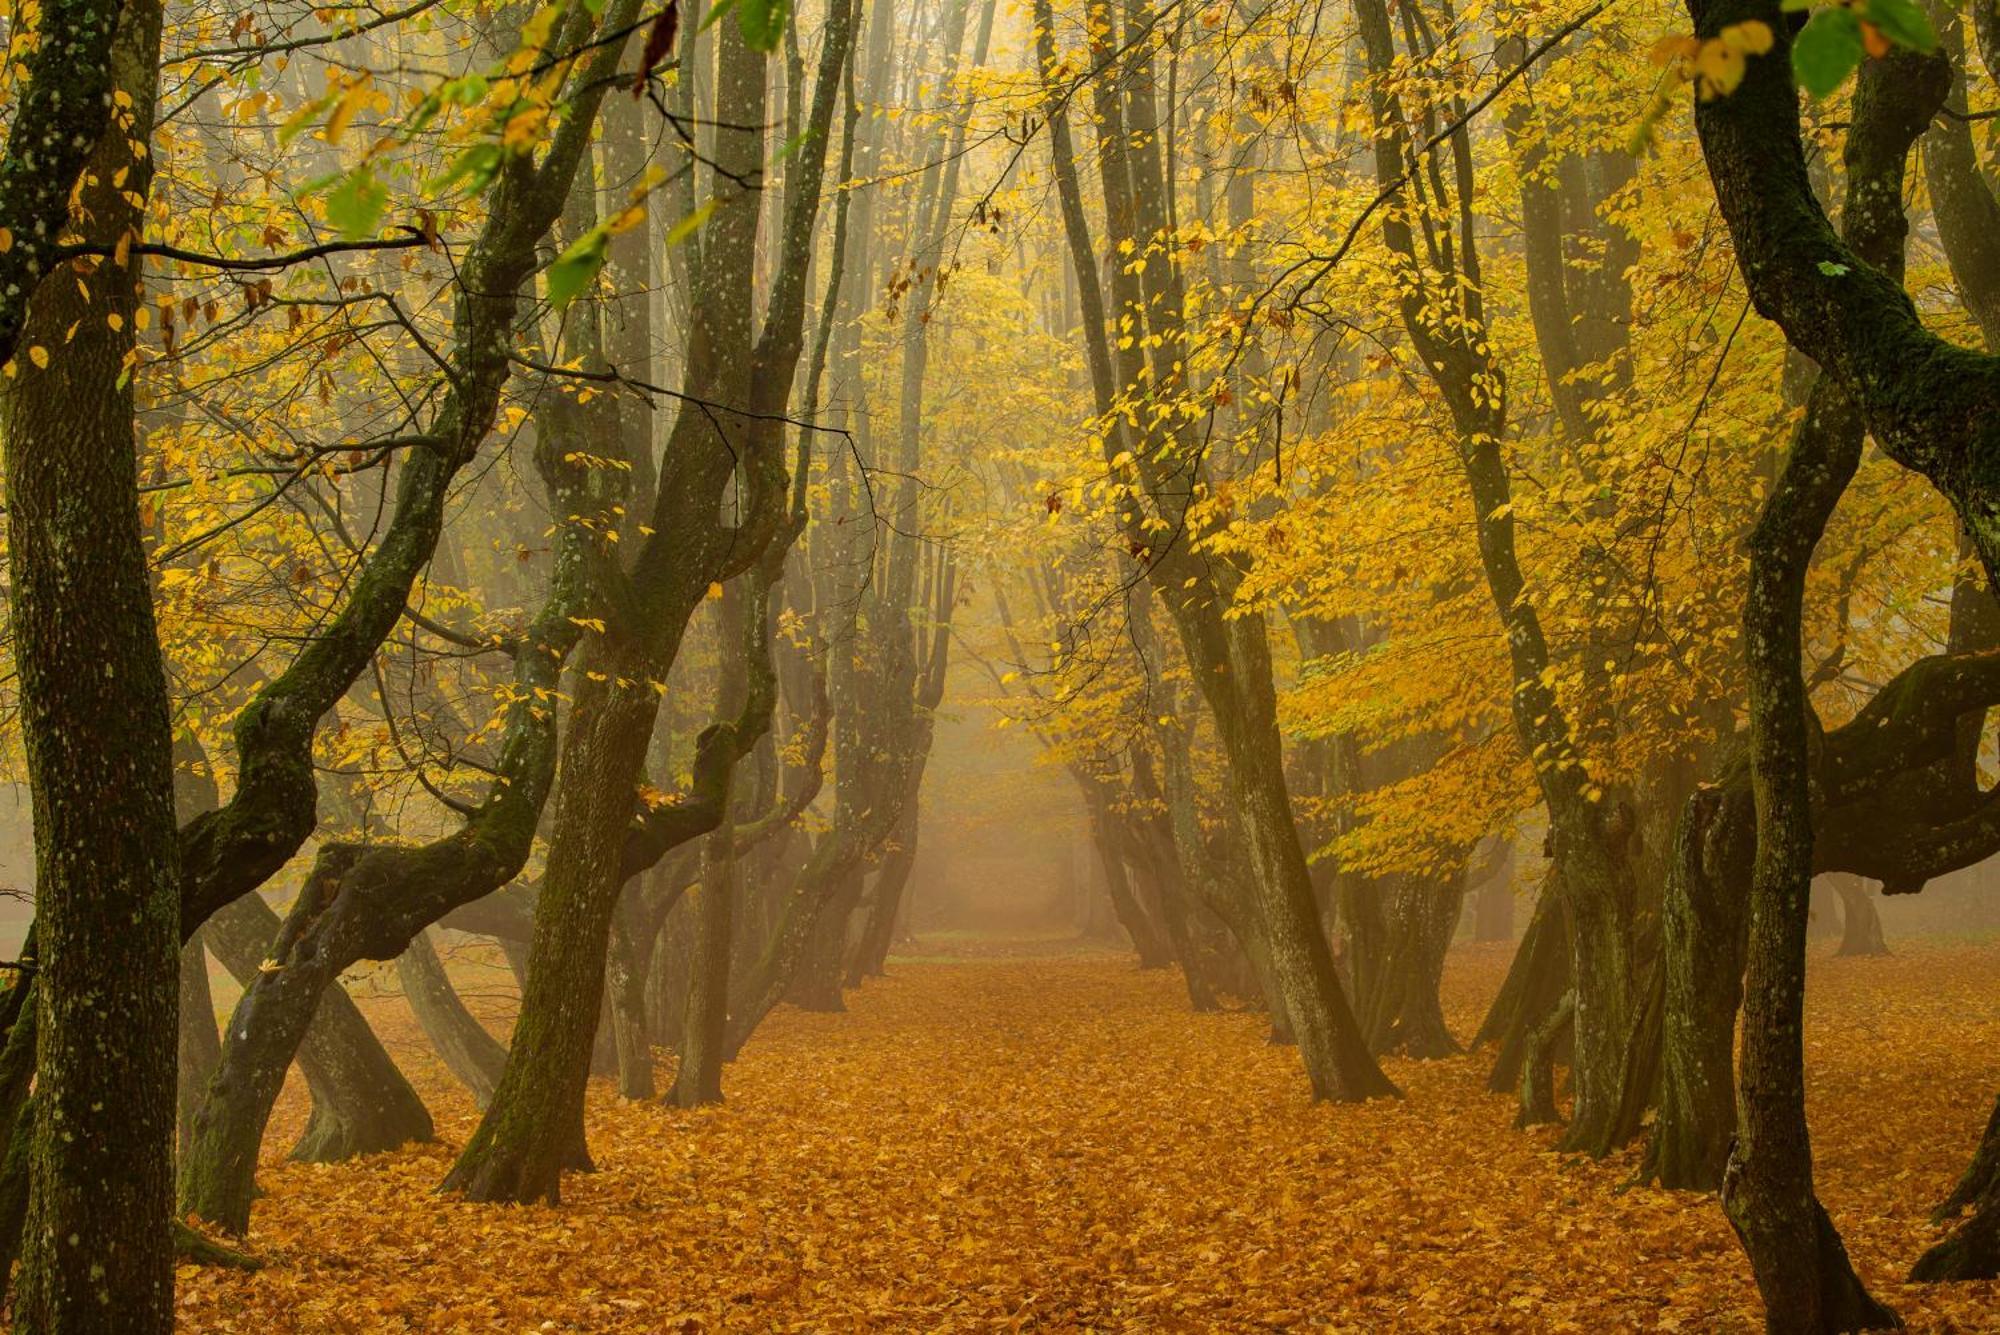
(543, 520)
(549, 451)
(1686, 622)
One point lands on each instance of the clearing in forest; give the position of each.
(1055, 1143)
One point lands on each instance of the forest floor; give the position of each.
(1020, 1143)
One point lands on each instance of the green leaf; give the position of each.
(477, 167)
(1904, 24)
(1833, 269)
(685, 228)
(575, 268)
(468, 90)
(355, 205)
(1826, 50)
(709, 19)
(763, 22)
(303, 117)
(794, 144)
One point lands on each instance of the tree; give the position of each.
(97, 1254)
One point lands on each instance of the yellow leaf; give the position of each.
(343, 111)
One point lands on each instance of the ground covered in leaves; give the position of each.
(1010, 1143)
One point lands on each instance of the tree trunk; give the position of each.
(1701, 952)
(1535, 985)
(361, 1104)
(1126, 862)
(200, 1046)
(468, 1051)
(892, 879)
(699, 1079)
(1860, 922)
(624, 994)
(816, 982)
(517, 1153)
(520, 1148)
(1801, 1267)
(1973, 1249)
(1538, 1066)
(94, 718)
(1493, 902)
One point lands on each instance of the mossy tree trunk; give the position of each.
(1801, 1266)
(97, 1253)
(518, 1151)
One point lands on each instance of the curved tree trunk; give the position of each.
(1801, 1267)
(362, 1104)
(470, 1053)
(1972, 1251)
(517, 1153)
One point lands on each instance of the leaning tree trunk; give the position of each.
(1972, 1251)
(468, 1051)
(521, 1146)
(1535, 985)
(361, 1104)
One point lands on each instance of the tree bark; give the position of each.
(468, 1051)
(1972, 1251)
(200, 1047)
(518, 1150)
(97, 1253)
(1701, 951)
(1801, 1267)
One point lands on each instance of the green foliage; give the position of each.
(763, 22)
(1826, 50)
(576, 268)
(1834, 40)
(355, 205)
(1903, 23)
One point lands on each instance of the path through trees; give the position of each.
(1057, 1141)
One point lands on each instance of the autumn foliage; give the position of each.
(1056, 1144)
